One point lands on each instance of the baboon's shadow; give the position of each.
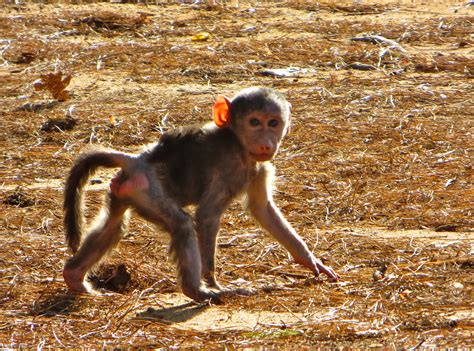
(67, 303)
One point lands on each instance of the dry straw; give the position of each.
(390, 147)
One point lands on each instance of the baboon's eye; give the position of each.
(273, 123)
(254, 122)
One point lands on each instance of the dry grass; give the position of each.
(388, 148)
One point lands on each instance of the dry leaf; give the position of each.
(55, 83)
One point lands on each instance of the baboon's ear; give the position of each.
(221, 111)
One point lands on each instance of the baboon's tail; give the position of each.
(86, 165)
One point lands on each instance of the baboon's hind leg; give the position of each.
(101, 239)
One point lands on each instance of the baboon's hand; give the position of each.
(322, 268)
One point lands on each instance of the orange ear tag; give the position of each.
(221, 111)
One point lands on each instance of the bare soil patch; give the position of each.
(376, 175)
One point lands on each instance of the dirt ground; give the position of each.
(376, 174)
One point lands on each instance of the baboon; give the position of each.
(206, 166)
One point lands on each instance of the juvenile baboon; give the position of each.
(206, 166)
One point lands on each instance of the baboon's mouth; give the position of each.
(261, 157)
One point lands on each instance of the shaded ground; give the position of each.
(376, 174)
